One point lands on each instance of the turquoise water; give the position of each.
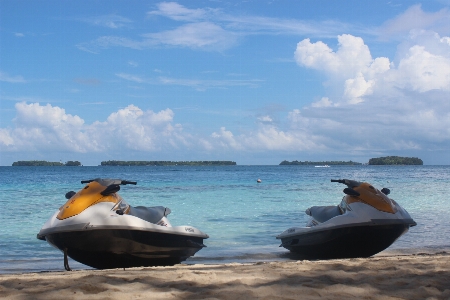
(242, 217)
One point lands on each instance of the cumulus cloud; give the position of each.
(381, 104)
(352, 65)
(324, 102)
(422, 67)
(50, 128)
(268, 136)
(422, 70)
(43, 128)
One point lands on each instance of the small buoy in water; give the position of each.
(258, 181)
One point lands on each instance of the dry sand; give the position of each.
(422, 276)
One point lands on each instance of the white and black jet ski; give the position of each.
(366, 222)
(96, 227)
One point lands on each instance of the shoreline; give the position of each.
(412, 276)
(56, 263)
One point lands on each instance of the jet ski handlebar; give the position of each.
(124, 182)
(347, 182)
(110, 181)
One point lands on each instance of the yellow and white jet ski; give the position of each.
(366, 222)
(96, 227)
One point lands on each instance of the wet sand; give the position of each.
(419, 276)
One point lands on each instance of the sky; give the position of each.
(255, 82)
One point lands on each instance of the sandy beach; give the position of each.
(420, 276)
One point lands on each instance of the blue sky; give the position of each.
(256, 82)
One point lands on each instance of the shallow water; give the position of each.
(242, 217)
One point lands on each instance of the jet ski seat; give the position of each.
(323, 213)
(150, 214)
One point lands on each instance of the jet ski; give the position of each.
(365, 223)
(98, 228)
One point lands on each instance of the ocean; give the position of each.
(242, 217)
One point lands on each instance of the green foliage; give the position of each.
(317, 163)
(34, 163)
(167, 163)
(71, 163)
(43, 163)
(395, 160)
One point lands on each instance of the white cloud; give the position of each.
(130, 77)
(178, 12)
(202, 35)
(383, 105)
(199, 36)
(248, 24)
(198, 84)
(422, 66)
(324, 102)
(133, 63)
(421, 70)
(352, 57)
(209, 29)
(225, 139)
(266, 119)
(415, 18)
(352, 65)
(11, 79)
(109, 21)
(50, 128)
(201, 84)
(44, 128)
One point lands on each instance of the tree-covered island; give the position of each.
(43, 163)
(167, 163)
(319, 163)
(395, 160)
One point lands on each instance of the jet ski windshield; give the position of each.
(122, 207)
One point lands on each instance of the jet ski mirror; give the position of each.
(386, 191)
(351, 192)
(70, 194)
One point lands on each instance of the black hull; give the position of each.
(116, 248)
(344, 242)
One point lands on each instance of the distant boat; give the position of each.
(324, 166)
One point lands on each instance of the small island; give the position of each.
(167, 163)
(395, 160)
(43, 163)
(319, 163)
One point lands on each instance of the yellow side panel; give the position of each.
(85, 198)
